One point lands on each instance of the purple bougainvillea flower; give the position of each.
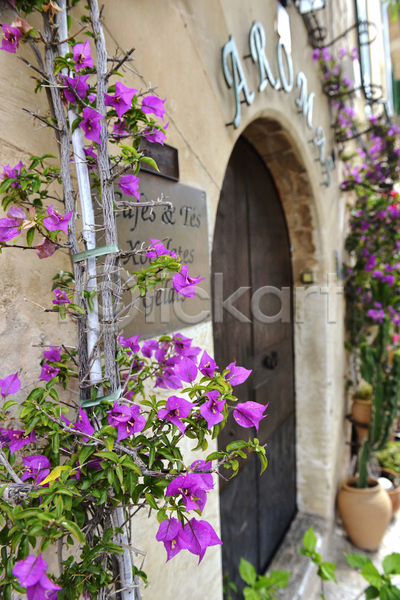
(389, 279)
(9, 229)
(191, 488)
(10, 385)
(198, 466)
(91, 124)
(120, 129)
(83, 424)
(207, 365)
(148, 347)
(129, 185)
(17, 213)
(55, 221)
(118, 414)
(168, 380)
(31, 573)
(316, 53)
(249, 414)
(176, 409)
(131, 342)
(199, 535)
(134, 423)
(12, 172)
(185, 285)
(157, 249)
(236, 374)
(155, 136)
(53, 354)
(37, 467)
(82, 56)
(186, 370)
(152, 104)
(17, 439)
(48, 372)
(45, 248)
(172, 534)
(75, 87)
(183, 346)
(11, 38)
(61, 297)
(212, 409)
(122, 99)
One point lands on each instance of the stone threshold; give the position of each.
(303, 583)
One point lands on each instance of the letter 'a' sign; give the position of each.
(183, 229)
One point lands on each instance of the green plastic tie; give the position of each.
(110, 398)
(95, 252)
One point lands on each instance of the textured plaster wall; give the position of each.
(25, 280)
(178, 45)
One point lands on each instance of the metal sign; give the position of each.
(183, 229)
(166, 158)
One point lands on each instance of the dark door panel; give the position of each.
(252, 250)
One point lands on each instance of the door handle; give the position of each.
(271, 360)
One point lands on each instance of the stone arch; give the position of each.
(277, 149)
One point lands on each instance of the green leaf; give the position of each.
(109, 441)
(30, 234)
(235, 445)
(214, 456)
(149, 161)
(35, 394)
(8, 404)
(33, 423)
(247, 571)
(327, 571)
(120, 474)
(161, 515)
(391, 564)
(85, 453)
(74, 529)
(106, 454)
(372, 575)
(53, 394)
(279, 578)
(76, 308)
(264, 462)
(250, 594)
(388, 592)
(357, 561)
(75, 123)
(371, 592)
(310, 540)
(150, 499)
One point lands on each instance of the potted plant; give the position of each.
(361, 498)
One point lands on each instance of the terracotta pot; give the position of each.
(394, 494)
(361, 413)
(365, 512)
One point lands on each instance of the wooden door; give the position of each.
(252, 249)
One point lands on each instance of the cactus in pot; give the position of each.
(384, 377)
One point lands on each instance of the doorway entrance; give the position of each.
(251, 250)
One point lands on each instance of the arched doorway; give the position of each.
(251, 250)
